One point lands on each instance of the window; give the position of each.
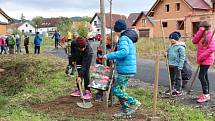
(177, 6)
(30, 31)
(167, 8)
(26, 25)
(143, 22)
(95, 23)
(180, 25)
(165, 24)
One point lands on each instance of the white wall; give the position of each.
(95, 28)
(46, 30)
(26, 27)
(3, 19)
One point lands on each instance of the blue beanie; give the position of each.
(120, 25)
(175, 35)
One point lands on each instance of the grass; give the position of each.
(38, 79)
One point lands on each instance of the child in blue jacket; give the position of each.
(125, 57)
(176, 58)
(37, 43)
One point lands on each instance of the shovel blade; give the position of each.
(85, 105)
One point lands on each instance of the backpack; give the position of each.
(10, 40)
(131, 34)
(186, 72)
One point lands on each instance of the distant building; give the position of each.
(4, 21)
(96, 22)
(48, 26)
(25, 27)
(181, 15)
(144, 25)
(131, 19)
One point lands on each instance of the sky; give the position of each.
(70, 8)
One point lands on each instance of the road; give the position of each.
(145, 70)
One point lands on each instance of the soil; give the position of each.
(67, 106)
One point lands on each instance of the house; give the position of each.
(131, 18)
(25, 27)
(48, 26)
(4, 20)
(144, 25)
(180, 15)
(96, 22)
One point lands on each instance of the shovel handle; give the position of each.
(194, 78)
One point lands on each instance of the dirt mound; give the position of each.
(67, 106)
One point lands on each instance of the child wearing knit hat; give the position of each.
(176, 58)
(82, 55)
(125, 57)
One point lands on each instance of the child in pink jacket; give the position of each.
(205, 57)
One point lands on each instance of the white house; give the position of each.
(48, 26)
(96, 22)
(26, 27)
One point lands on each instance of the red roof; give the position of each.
(131, 19)
(198, 4)
(49, 22)
(194, 4)
(115, 17)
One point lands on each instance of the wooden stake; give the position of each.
(167, 65)
(155, 92)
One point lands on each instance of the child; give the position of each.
(176, 58)
(26, 43)
(125, 57)
(18, 43)
(2, 44)
(205, 57)
(37, 43)
(83, 55)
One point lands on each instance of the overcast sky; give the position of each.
(69, 8)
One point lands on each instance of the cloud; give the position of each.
(68, 8)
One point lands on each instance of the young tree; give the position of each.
(22, 18)
(82, 29)
(64, 25)
(36, 21)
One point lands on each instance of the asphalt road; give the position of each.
(145, 70)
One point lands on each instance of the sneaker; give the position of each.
(204, 98)
(167, 92)
(87, 95)
(136, 106)
(177, 93)
(76, 93)
(200, 96)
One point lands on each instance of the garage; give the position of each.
(144, 33)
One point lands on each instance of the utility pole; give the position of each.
(111, 29)
(102, 16)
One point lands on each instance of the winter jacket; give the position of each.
(205, 53)
(176, 55)
(56, 35)
(3, 41)
(83, 58)
(125, 56)
(37, 40)
(26, 41)
(18, 40)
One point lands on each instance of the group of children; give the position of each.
(125, 60)
(205, 58)
(12, 43)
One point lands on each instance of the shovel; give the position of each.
(83, 104)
